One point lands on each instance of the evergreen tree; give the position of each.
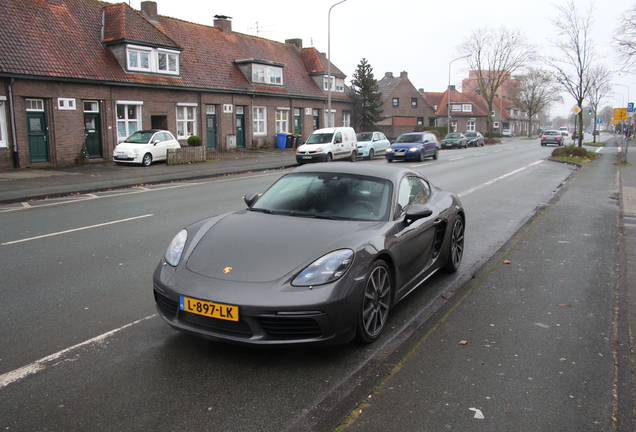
(364, 91)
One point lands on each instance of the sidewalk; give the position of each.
(33, 183)
(528, 344)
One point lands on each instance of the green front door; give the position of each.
(38, 143)
(298, 121)
(240, 128)
(92, 132)
(210, 121)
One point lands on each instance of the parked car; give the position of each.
(413, 146)
(371, 144)
(474, 139)
(325, 145)
(321, 257)
(144, 147)
(506, 133)
(551, 137)
(454, 139)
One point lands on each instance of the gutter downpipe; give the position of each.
(14, 137)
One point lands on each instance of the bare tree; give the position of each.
(572, 67)
(625, 39)
(535, 91)
(600, 88)
(494, 56)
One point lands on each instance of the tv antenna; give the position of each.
(259, 28)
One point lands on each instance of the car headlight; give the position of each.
(414, 149)
(173, 254)
(389, 150)
(326, 269)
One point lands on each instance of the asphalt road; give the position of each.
(82, 348)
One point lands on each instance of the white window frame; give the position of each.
(139, 53)
(275, 75)
(126, 121)
(265, 74)
(4, 142)
(153, 56)
(172, 61)
(66, 104)
(467, 107)
(282, 120)
(259, 121)
(34, 105)
(186, 120)
(495, 125)
(346, 119)
(456, 107)
(94, 107)
(470, 126)
(395, 102)
(337, 84)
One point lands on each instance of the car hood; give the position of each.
(251, 246)
(406, 145)
(130, 146)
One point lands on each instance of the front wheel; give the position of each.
(376, 303)
(422, 156)
(147, 160)
(371, 154)
(456, 245)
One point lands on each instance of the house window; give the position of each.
(495, 125)
(396, 102)
(91, 106)
(167, 62)
(34, 104)
(454, 125)
(66, 104)
(139, 59)
(456, 107)
(186, 120)
(128, 118)
(4, 143)
(282, 120)
(259, 118)
(420, 121)
(467, 107)
(414, 102)
(337, 84)
(267, 74)
(470, 126)
(346, 119)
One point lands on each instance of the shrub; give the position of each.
(194, 141)
(571, 151)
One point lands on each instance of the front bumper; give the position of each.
(311, 157)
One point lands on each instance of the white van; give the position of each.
(325, 145)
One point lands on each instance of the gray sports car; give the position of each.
(320, 258)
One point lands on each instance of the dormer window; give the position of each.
(337, 84)
(267, 74)
(155, 60)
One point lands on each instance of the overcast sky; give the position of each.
(419, 37)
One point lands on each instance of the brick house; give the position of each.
(404, 108)
(94, 72)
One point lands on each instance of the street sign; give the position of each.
(599, 120)
(620, 114)
(630, 107)
(576, 110)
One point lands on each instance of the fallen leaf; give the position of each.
(446, 297)
(564, 305)
(463, 342)
(506, 262)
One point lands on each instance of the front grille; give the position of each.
(290, 328)
(169, 307)
(230, 328)
(399, 152)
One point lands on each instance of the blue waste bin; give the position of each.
(281, 140)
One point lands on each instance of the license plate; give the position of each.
(214, 310)
(307, 157)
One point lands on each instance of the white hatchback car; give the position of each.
(371, 144)
(145, 146)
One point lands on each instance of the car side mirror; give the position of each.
(251, 198)
(155, 142)
(416, 212)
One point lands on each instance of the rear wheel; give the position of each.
(435, 154)
(376, 303)
(352, 157)
(147, 160)
(456, 245)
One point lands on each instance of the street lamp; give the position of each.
(449, 93)
(329, 63)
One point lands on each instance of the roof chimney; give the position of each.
(388, 74)
(149, 9)
(297, 42)
(223, 23)
(404, 74)
(452, 88)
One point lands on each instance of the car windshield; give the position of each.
(409, 138)
(550, 133)
(454, 135)
(319, 138)
(471, 134)
(328, 196)
(364, 136)
(140, 137)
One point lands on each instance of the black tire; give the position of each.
(436, 154)
(371, 154)
(376, 303)
(455, 245)
(353, 156)
(329, 157)
(422, 155)
(147, 160)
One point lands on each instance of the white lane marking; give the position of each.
(39, 365)
(469, 191)
(457, 158)
(421, 165)
(75, 229)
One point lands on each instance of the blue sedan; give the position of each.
(413, 146)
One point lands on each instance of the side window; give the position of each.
(338, 138)
(413, 190)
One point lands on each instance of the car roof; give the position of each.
(388, 172)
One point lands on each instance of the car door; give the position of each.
(380, 143)
(415, 239)
(338, 144)
(159, 150)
